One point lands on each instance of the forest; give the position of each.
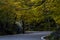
(35, 15)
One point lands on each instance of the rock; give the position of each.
(55, 35)
(9, 29)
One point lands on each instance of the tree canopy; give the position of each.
(30, 11)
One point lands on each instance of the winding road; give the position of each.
(28, 36)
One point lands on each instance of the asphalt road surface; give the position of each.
(28, 36)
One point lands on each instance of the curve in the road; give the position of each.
(31, 36)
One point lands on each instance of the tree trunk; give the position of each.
(23, 27)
